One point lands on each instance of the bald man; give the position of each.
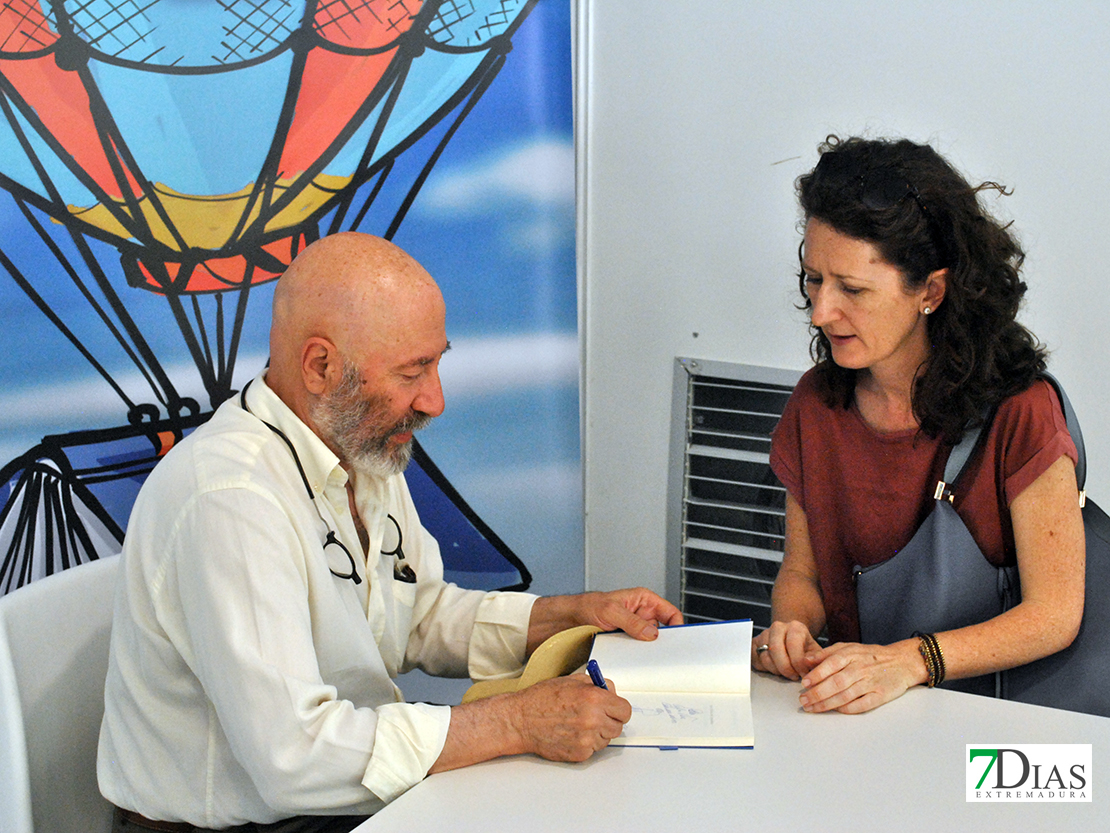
(275, 579)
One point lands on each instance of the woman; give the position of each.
(913, 291)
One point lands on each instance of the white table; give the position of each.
(898, 768)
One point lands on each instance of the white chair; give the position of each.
(53, 661)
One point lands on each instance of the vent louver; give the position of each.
(726, 508)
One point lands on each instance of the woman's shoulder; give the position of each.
(1037, 403)
(824, 425)
(808, 387)
(805, 401)
(1029, 434)
(1032, 422)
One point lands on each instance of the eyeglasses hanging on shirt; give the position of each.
(331, 540)
(402, 571)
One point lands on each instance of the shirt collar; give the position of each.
(319, 462)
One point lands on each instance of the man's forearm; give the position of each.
(564, 719)
(480, 731)
(550, 615)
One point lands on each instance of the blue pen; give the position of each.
(594, 671)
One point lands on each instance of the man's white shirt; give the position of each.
(249, 679)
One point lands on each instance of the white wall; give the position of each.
(691, 130)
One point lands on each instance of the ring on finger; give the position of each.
(762, 649)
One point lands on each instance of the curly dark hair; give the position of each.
(922, 215)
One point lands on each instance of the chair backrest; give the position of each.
(53, 660)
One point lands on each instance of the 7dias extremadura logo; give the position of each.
(1029, 772)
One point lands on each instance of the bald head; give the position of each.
(352, 297)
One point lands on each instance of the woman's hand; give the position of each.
(783, 649)
(852, 678)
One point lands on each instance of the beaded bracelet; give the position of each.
(934, 657)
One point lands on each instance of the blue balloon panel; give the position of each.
(161, 160)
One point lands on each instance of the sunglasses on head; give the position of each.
(879, 188)
(885, 188)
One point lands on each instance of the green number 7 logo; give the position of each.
(990, 753)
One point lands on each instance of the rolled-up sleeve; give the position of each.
(408, 740)
(500, 637)
(458, 632)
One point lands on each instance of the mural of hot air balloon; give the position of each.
(160, 164)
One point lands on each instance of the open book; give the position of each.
(689, 687)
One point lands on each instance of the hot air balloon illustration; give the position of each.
(185, 152)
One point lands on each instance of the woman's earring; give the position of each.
(927, 310)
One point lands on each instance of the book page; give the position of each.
(688, 720)
(690, 658)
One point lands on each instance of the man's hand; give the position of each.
(637, 611)
(569, 718)
(564, 719)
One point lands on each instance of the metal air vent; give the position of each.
(725, 507)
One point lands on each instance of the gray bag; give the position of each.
(942, 581)
(939, 581)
